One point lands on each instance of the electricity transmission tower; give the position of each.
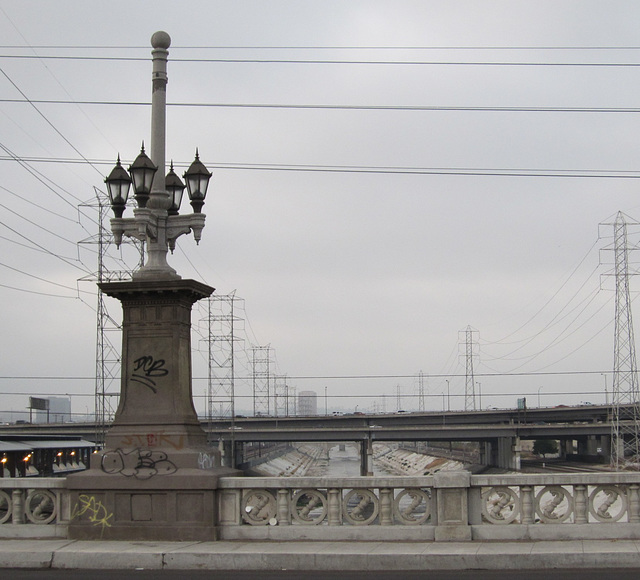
(280, 396)
(107, 350)
(421, 391)
(469, 390)
(261, 358)
(625, 440)
(222, 324)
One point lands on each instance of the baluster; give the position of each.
(634, 503)
(284, 507)
(386, 507)
(334, 507)
(580, 503)
(17, 513)
(526, 497)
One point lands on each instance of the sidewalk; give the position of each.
(70, 554)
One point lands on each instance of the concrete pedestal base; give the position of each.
(177, 507)
(156, 478)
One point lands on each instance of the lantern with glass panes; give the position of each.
(158, 225)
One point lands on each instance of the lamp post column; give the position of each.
(156, 476)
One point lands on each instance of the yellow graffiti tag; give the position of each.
(97, 513)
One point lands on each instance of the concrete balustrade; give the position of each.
(448, 506)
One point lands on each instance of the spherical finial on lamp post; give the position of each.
(160, 39)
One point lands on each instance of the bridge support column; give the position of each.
(366, 458)
(509, 453)
(588, 446)
(605, 446)
(566, 448)
(232, 455)
(485, 450)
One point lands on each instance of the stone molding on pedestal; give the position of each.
(156, 478)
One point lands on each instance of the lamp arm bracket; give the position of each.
(178, 225)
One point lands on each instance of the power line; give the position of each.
(341, 377)
(339, 107)
(45, 117)
(38, 293)
(312, 47)
(329, 61)
(42, 279)
(400, 170)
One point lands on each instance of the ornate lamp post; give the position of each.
(156, 220)
(156, 474)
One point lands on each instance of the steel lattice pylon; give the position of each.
(280, 396)
(222, 323)
(625, 442)
(261, 380)
(470, 389)
(107, 352)
(421, 407)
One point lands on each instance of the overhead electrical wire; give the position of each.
(337, 107)
(46, 119)
(312, 47)
(343, 377)
(389, 170)
(327, 61)
(38, 293)
(41, 279)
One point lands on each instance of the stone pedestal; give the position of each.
(156, 478)
(452, 489)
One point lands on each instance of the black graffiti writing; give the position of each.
(145, 369)
(139, 463)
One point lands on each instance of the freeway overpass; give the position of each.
(499, 431)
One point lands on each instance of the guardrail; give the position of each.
(34, 507)
(443, 507)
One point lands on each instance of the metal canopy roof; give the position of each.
(57, 444)
(6, 446)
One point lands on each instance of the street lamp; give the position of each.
(118, 184)
(156, 220)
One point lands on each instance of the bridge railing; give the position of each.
(34, 507)
(445, 506)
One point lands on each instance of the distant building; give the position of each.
(50, 409)
(307, 403)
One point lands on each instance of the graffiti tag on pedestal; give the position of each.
(138, 463)
(153, 440)
(93, 509)
(146, 370)
(206, 461)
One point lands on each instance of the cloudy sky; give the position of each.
(387, 174)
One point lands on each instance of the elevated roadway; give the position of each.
(538, 423)
(499, 431)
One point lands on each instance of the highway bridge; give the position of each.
(583, 430)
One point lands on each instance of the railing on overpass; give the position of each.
(445, 506)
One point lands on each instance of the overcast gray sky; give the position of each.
(415, 168)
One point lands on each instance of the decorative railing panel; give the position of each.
(325, 502)
(557, 504)
(451, 506)
(41, 502)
